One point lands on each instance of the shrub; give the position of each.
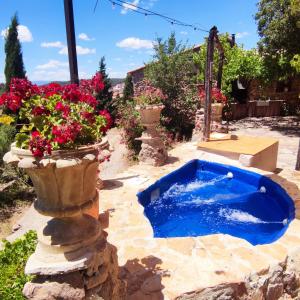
(129, 120)
(12, 263)
(173, 72)
(7, 134)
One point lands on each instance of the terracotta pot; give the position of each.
(150, 114)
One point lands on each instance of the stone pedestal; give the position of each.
(153, 150)
(72, 253)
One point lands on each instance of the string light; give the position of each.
(146, 12)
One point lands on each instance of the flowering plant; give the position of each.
(146, 94)
(55, 117)
(216, 95)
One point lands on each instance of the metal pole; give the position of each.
(208, 83)
(70, 29)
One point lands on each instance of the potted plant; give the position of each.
(218, 102)
(148, 101)
(59, 145)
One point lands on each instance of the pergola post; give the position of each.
(70, 30)
(297, 167)
(208, 82)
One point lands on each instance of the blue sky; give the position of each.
(122, 36)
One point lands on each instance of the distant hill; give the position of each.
(114, 81)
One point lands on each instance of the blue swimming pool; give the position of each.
(203, 198)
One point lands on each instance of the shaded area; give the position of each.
(285, 125)
(143, 278)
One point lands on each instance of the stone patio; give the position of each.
(158, 268)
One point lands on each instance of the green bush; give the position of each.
(129, 120)
(7, 134)
(12, 263)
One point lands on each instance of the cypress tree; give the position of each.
(128, 92)
(14, 66)
(105, 96)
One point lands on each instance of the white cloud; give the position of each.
(240, 35)
(184, 32)
(52, 75)
(135, 43)
(148, 4)
(56, 44)
(1, 77)
(117, 59)
(52, 64)
(80, 50)
(61, 74)
(85, 37)
(24, 33)
(116, 74)
(129, 6)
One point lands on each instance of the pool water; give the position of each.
(203, 198)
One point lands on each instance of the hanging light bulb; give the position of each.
(113, 5)
(172, 23)
(146, 16)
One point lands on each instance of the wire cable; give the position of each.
(146, 12)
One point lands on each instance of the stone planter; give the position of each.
(216, 111)
(72, 241)
(153, 150)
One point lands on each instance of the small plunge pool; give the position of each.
(203, 198)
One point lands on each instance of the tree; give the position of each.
(14, 66)
(278, 28)
(239, 64)
(128, 92)
(105, 96)
(173, 71)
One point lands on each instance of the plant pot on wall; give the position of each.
(153, 150)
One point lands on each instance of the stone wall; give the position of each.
(288, 91)
(268, 108)
(281, 281)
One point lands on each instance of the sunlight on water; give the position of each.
(243, 217)
(178, 189)
(238, 216)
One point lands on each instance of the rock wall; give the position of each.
(99, 281)
(278, 282)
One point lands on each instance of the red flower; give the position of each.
(90, 117)
(66, 133)
(65, 109)
(51, 89)
(39, 110)
(89, 99)
(93, 85)
(23, 88)
(38, 145)
(108, 119)
(11, 101)
(216, 95)
(71, 93)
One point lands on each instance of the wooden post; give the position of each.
(70, 29)
(220, 70)
(208, 82)
(298, 159)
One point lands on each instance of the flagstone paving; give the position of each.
(158, 268)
